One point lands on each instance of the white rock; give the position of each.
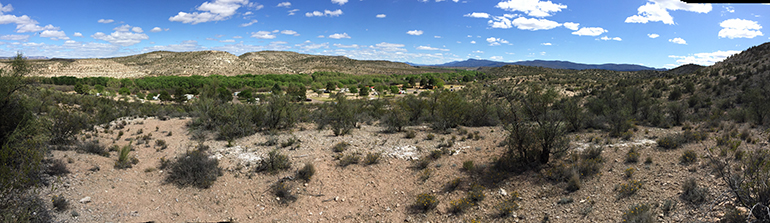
(85, 200)
(503, 192)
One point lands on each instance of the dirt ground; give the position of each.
(382, 192)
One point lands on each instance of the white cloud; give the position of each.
(571, 25)
(6, 8)
(23, 23)
(478, 51)
(657, 11)
(15, 37)
(156, 29)
(430, 48)
(605, 38)
(346, 46)
(546, 44)
(340, 2)
(237, 37)
(678, 41)
(704, 59)
(534, 8)
(77, 34)
(334, 13)
(105, 21)
(284, 4)
(496, 58)
(137, 30)
(263, 35)
(227, 41)
(188, 45)
(739, 28)
(533, 24)
(477, 15)
(218, 10)
(389, 46)
(653, 35)
(308, 46)
(339, 36)
(248, 23)
(496, 41)
(320, 36)
(293, 11)
(122, 36)
(290, 32)
(589, 31)
(381, 16)
(437, 37)
(414, 32)
(54, 35)
(473, 42)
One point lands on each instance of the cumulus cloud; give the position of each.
(571, 25)
(534, 24)
(605, 38)
(389, 46)
(218, 10)
(704, 59)
(653, 35)
(24, 23)
(227, 41)
(290, 32)
(496, 58)
(77, 34)
(346, 46)
(263, 35)
(414, 32)
(15, 37)
(123, 36)
(473, 42)
(284, 4)
(381, 16)
(430, 48)
(534, 8)
(137, 29)
(340, 2)
(105, 21)
(478, 51)
(188, 45)
(739, 28)
(308, 46)
(477, 15)
(248, 23)
(54, 35)
(546, 44)
(678, 41)
(329, 13)
(589, 31)
(339, 36)
(496, 41)
(657, 11)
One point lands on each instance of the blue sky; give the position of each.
(657, 33)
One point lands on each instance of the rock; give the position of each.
(503, 192)
(85, 200)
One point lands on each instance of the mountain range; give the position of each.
(555, 64)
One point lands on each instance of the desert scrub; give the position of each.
(340, 147)
(668, 206)
(628, 189)
(506, 207)
(93, 147)
(349, 159)
(476, 193)
(161, 143)
(372, 158)
(639, 213)
(453, 184)
(425, 202)
(430, 136)
(282, 190)
(194, 169)
(460, 205)
(124, 161)
(410, 134)
(290, 142)
(628, 173)
(60, 203)
(57, 168)
(425, 174)
(648, 160)
(468, 165)
(274, 162)
(632, 156)
(573, 184)
(693, 193)
(306, 172)
(671, 141)
(436, 154)
(688, 157)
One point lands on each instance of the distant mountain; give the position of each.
(556, 64)
(26, 57)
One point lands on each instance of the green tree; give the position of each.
(164, 96)
(331, 86)
(364, 91)
(80, 88)
(99, 88)
(123, 91)
(395, 118)
(297, 92)
(224, 95)
(276, 89)
(247, 94)
(394, 89)
(279, 113)
(340, 116)
(179, 95)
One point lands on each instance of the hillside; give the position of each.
(556, 64)
(204, 63)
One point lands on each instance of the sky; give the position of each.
(655, 33)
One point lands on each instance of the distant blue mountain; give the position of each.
(555, 64)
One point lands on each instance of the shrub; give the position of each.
(460, 205)
(421, 164)
(671, 141)
(282, 189)
(425, 202)
(426, 173)
(57, 167)
(688, 157)
(453, 184)
(372, 158)
(639, 213)
(410, 134)
(430, 136)
(476, 193)
(648, 160)
(94, 147)
(693, 193)
(628, 189)
(161, 143)
(306, 172)
(506, 207)
(435, 154)
(340, 147)
(60, 203)
(274, 162)
(468, 165)
(290, 142)
(346, 160)
(124, 161)
(633, 155)
(668, 206)
(573, 184)
(628, 173)
(194, 169)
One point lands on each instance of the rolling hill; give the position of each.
(556, 64)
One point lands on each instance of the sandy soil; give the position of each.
(382, 192)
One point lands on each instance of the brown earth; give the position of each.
(381, 192)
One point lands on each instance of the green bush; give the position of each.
(507, 206)
(425, 202)
(60, 203)
(340, 147)
(93, 147)
(671, 141)
(306, 172)
(668, 206)
(639, 213)
(629, 172)
(274, 162)
(124, 161)
(57, 168)
(453, 184)
(468, 165)
(372, 158)
(632, 156)
(194, 169)
(460, 205)
(628, 189)
(693, 193)
(282, 189)
(476, 193)
(688, 157)
(349, 159)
